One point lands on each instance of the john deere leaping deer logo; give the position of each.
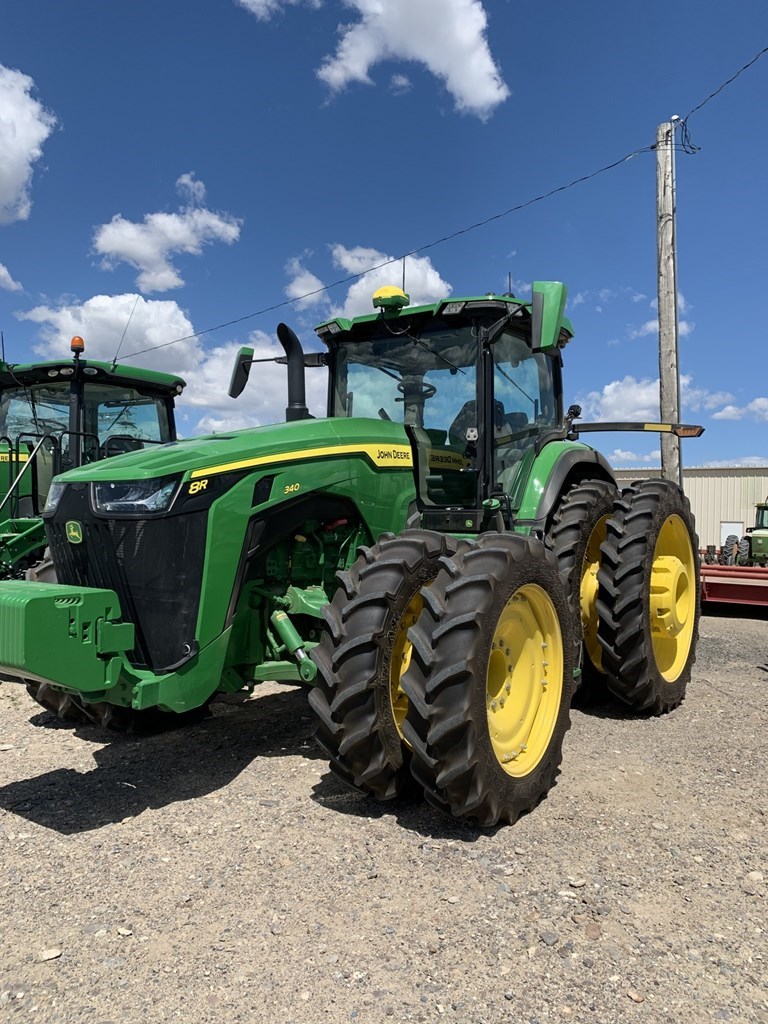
(74, 532)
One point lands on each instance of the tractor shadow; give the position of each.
(134, 774)
(411, 812)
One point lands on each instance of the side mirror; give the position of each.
(240, 372)
(547, 311)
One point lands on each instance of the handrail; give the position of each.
(5, 439)
(24, 468)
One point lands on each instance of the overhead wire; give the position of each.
(686, 146)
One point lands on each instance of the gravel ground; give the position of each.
(220, 873)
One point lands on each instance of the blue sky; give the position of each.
(192, 163)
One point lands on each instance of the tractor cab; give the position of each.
(475, 382)
(65, 413)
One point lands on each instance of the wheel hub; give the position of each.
(670, 596)
(524, 680)
(672, 603)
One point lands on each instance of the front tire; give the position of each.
(649, 601)
(362, 655)
(576, 535)
(490, 680)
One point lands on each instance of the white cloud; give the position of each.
(619, 455)
(519, 288)
(265, 396)
(25, 124)
(729, 412)
(205, 405)
(400, 84)
(7, 282)
(684, 328)
(756, 410)
(149, 245)
(447, 36)
(649, 327)
(695, 398)
(264, 9)
(630, 400)
(422, 282)
(623, 400)
(101, 321)
(303, 283)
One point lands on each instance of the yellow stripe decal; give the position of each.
(661, 428)
(5, 457)
(389, 455)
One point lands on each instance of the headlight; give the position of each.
(54, 496)
(135, 497)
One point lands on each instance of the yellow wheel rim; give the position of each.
(673, 598)
(524, 684)
(401, 659)
(588, 592)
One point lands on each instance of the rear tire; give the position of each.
(729, 550)
(743, 556)
(578, 529)
(490, 680)
(361, 657)
(649, 599)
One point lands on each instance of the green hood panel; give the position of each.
(383, 443)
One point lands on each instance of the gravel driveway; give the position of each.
(221, 874)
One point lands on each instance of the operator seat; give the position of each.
(504, 423)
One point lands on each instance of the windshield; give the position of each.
(422, 380)
(429, 382)
(761, 520)
(27, 414)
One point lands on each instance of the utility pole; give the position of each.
(666, 248)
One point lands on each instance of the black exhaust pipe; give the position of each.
(297, 401)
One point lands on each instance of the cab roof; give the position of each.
(13, 374)
(449, 308)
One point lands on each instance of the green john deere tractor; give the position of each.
(428, 556)
(751, 549)
(61, 414)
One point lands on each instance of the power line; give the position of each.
(686, 146)
(403, 256)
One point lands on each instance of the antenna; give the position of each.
(2, 346)
(125, 331)
(403, 273)
(509, 282)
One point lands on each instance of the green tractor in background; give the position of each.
(751, 549)
(61, 414)
(58, 415)
(429, 557)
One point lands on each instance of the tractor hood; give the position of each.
(384, 443)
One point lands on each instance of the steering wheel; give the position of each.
(427, 391)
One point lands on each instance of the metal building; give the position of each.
(723, 499)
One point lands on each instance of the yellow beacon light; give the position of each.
(77, 344)
(390, 297)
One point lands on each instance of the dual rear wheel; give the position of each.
(448, 664)
(451, 664)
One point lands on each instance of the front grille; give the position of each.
(154, 566)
